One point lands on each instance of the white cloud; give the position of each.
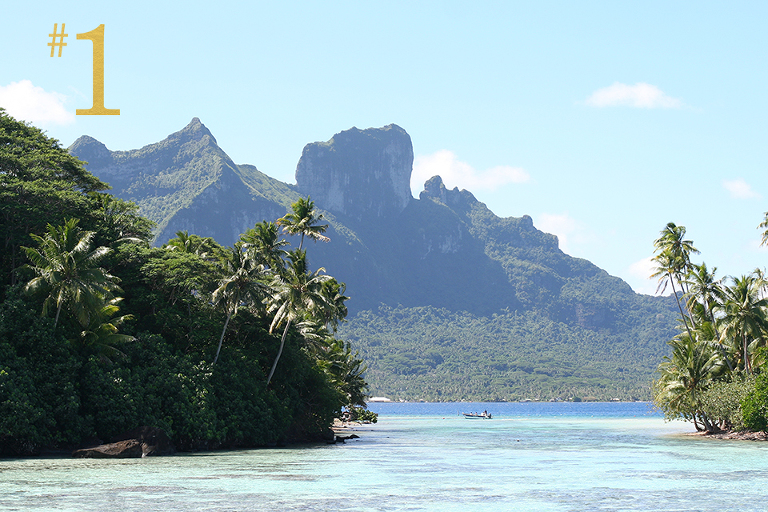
(561, 225)
(740, 189)
(641, 273)
(456, 173)
(640, 95)
(26, 102)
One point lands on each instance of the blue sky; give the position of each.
(601, 120)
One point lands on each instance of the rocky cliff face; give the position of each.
(359, 173)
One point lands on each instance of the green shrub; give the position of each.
(722, 401)
(754, 406)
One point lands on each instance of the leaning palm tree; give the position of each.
(668, 272)
(66, 268)
(302, 221)
(297, 295)
(673, 261)
(244, 285)
(672, 239)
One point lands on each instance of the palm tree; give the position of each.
(667, 268)
(704, 289)
(100, 334)
(346, 370)
(190, 244)
(244, 285)
(302, 221)
(672, 239)
(673, 261)
(705, 294)
(66, 269)
(120, 219)
(297, 294)
(744, 317)
(684, 376)
(265, 245)
(336, 310)
(764, 225)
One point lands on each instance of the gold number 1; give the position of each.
(97, 37)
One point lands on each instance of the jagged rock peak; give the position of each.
(434, 188)
(360, 173)
(195, 130)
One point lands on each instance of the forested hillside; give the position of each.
(439, 355)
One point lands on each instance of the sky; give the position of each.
(601, 120)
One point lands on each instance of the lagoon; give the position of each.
(529, 457)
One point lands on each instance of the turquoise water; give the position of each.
(529, 457)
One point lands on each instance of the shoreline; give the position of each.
(732, 436)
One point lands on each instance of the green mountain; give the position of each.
(187, 182)
(449, 301)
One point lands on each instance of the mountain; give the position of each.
(187, 182)
(441, 263)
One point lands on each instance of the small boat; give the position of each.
(485, 415)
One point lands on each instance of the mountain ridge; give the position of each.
(444, 250)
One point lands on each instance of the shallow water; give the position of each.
(532, 457)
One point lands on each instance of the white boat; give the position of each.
(485, 415)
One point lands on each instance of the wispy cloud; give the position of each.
(640, 95)
(740, 189)
(27, 102)
(456, 173)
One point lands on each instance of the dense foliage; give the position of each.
(100, 333)
(716, 376)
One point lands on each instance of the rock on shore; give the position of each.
(139, 442)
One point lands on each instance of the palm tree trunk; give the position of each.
(722, 348)
(221, 340)
(58, 311)
(279, 352)
(672, 281)
(747, 365)
(696, 424)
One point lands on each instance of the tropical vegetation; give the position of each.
(716, 375)
(101, 333)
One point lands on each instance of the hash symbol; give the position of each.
(61, 44)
